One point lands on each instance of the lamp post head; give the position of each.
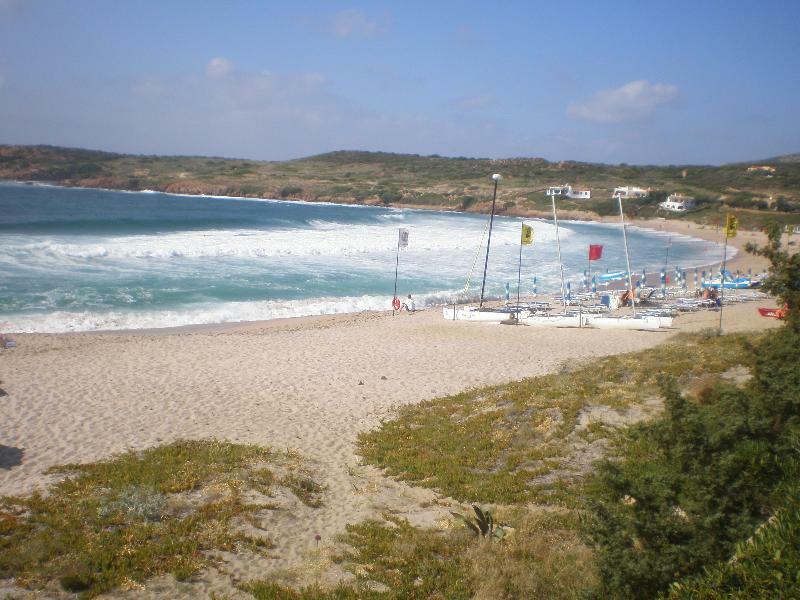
(497, 177)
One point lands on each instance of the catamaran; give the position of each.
(479, 313)
(633, 321)
(519, 314)
(738, 283)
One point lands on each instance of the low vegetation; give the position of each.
(519, 442)
(764, 566)
(542, 558)
(115, 523)
(686, 488)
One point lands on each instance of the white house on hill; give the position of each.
(628, 192)
(678, 203)
(567, 191)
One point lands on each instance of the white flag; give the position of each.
(402, 241)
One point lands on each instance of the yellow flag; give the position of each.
(527, 235)
(731, 226)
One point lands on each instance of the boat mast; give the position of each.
(627, 256)
(558, 244)
(496, 178)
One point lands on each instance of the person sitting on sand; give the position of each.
(627, 297)
(409, 305)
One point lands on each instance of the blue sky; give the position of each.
(637, 82)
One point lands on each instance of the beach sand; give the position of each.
(311, 384)
(741, 260)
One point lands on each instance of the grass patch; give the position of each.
(300, 483)
(506, 444)
(118, 522)
(542, 558)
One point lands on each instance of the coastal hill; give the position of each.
(769, 192)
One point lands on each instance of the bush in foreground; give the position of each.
(691, 486)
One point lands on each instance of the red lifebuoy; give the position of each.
(396, 303)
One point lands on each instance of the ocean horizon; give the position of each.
(78, 259)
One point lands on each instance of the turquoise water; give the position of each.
(82, 259)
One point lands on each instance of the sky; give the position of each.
(699, 82)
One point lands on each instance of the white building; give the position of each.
(567, 191)
(678, 203)
(628, 192)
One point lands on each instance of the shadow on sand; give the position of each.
(10, 457)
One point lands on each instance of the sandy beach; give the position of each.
(310, 384)
(741, 260)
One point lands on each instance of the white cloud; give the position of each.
(633, 101)
(218, 67)
(350, 23)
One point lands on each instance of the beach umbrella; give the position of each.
(508, 293)
(695, 278)
(684, 280)
(703, 279)
(586, 280)
(644, 278)
(569, 290)
(594, 284)
(663, 283)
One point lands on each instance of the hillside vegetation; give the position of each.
(427, 181)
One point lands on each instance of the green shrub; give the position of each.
(291, 190)
(697, 482)
(766, 566)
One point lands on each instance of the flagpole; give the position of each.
(558, 244)
(589, 271)
(396, 265)
(627, 256)
(722, 280)
(496, 178)
(519, 270)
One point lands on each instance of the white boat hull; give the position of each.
(466, 313)
(556, 320)
(646, 323)
(551, 320)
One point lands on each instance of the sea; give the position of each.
(75, 259)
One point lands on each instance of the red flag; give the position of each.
(595, 251)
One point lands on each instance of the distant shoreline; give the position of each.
(565, 215)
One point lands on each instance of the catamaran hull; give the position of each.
(551, 320)
(613, 276)
(739, 284)
(474, 314)
(640, 323)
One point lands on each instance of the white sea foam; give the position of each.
(230, 312)
(320, 238)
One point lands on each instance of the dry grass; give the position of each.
(139, 514)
